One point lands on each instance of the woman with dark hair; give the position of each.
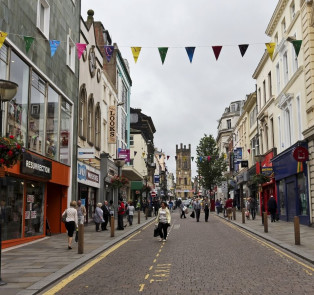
(163, 220)
(71, 221)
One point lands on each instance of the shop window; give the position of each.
(37, 114)
(282, 199)
(97, 126)
(52, 138)
(70, 53)
(34, 210)
(65, 131)
(303, 205)
(18, 106)
(90, 121)
(11, 208)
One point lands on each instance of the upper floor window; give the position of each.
(43, 17)
(90, 121)
(97, 127)
(270, 90)
(229, 124)
(278, 78)
(295, 64)
(82, 112)
(70, 54)
(283, 26)
(276, 38)
(259, 99)
(285, 68)
(253, 117)
(264, 92)
(131, 139)
(292, 10)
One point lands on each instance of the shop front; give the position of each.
(88, 179)
(33, 195)
(290, 171)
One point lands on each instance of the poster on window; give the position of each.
(27, 214)
(30, 198)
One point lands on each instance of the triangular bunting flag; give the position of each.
(176, 157)
(163, 52)
(192, 158)
(143, 154)
(190, 52)
(80, 48)
(270, 48)
(243, 48)
(168, 157)
(136, 52)
(54, 44)
(217, 50)
(3, 35)
(201, 158)
(297, 45)
(208, 158)
(108, 52)
(28, 42)
(159, 156)
(135, 152)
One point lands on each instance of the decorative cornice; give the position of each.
(276, 17)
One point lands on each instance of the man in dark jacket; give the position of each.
(272, 208)
(105, 210)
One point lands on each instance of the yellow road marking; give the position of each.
(85, 268)
(141, 287)
(147, 276)
(265, 244)
(157, 255)
(154, 261)
(151, 268)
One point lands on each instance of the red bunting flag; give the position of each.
(217, 50)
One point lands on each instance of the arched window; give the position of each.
(82, 112)
(90, 120)
(97, 127)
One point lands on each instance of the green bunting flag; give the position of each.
(28, 42)
(297, 45)
(163, 52)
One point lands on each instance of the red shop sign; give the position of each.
(301, 154)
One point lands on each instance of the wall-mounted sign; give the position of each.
(244, 164)
(124, 154)
(237, 154)
(35, 166)
(86, 153)
(301, 154)
(112, 124)
(156, 178)
(87, 175)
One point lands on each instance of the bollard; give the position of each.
(80, 246)
(112, 227)
(234, 213)
(139, 216)
(265, 222)
(297, 230)
(146, 213)
(243, 215)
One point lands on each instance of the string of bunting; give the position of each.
(81, 47)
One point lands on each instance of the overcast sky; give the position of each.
(185, 100)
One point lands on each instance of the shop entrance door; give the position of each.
(291, 199)
(54, 201)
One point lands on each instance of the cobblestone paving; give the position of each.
(198, 258)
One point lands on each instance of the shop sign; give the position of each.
(35, 166)
(237, 153)
(301, 154)
(267, 171)
(124, 154)
(156, 178)
(87, 175)
(112, 124)
(244, 164)
(86, 153)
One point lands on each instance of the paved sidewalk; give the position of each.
(29, 268)
(280, 233)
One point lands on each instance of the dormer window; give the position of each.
(283, 26)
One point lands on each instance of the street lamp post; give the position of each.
(8, 90)
(119, 163)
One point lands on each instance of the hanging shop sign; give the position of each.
(112, 124)
(124, 154)
(301, 154)
(36, 166)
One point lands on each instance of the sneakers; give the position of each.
(164, 240)
(160, 240)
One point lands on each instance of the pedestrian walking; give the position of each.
(121, 211)
(81, 212)
(131, 213)
(98, 216)
(252, 208)
(170, 204)
(106, 214)
(182, 208)
(229, 205)
(217, 205)
(163, 221)
(71, 221)
(272, 208)
(206, 211)
(197, 208)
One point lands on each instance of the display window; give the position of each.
(11, 207)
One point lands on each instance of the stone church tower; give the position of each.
(184, 188)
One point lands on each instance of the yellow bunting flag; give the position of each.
(270, 48)
(136, 52)
(3, 35)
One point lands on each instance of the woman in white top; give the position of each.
(131, 213)
(163, 220)
(71, 223)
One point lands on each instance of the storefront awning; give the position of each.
(136, 185)
(131, 174)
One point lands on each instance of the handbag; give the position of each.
(64, 216)
(192, 214)
(156, 232)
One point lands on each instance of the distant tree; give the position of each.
(210, 169)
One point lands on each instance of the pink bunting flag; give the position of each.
(217, 50)
(208, 158)
(80, 47)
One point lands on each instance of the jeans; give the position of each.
(253, 213)
(120, 221)
(182, 214)
(130, 219)
(197, 212)
(163, 230)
